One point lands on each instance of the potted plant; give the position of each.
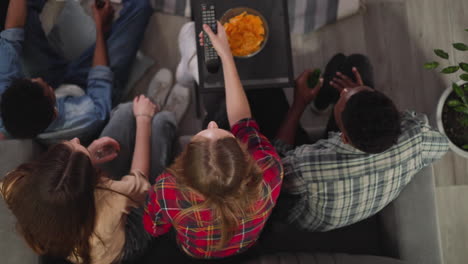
(452, 109)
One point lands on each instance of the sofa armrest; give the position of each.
(12, 247)
(15, 152)
(410, 229)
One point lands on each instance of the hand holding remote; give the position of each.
(220, 41)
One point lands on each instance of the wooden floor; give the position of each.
(398, 36)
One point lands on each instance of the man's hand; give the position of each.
(103, 17)
(342, 81)
(104, 150)
(303, 95)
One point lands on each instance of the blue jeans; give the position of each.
(122, 127)
(127, 32)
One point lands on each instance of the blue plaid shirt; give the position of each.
(77, 116)
(339, 185)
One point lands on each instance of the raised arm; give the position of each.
(237, 104)
(103, 18)
(303, 95)
(144, 110)
(16, 16)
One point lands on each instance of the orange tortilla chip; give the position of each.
(246, 34)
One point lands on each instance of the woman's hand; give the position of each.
(103, 16)
(220, 41)
(144, 108)
(103, 150)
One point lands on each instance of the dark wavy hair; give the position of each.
(53, 201)
(25, 110)
(371, 121)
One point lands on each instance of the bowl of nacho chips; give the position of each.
(247, 31)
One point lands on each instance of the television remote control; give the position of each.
(212, 61)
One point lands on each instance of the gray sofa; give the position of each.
(406, 230)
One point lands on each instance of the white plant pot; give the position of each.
(440, 107)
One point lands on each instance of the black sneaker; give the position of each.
(362, 63)
(329, 95)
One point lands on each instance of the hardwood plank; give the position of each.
(444, 171)
(389, 41)
(453, 216)
(429, 26)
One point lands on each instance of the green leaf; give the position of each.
(464, 66)
(450, 69)
(464, 121)
(460, 46)
(465, 146)
(453, 103)
(441, 53)
(431, 65)
(464, 77)
(458, 90)
(461, 109)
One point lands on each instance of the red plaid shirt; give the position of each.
(198, 234)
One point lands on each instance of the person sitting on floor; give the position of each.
(221, 190)
(73, 202)
(369, 155)
(28, 106)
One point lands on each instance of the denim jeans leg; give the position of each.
(163, 140)
(40, 59)
(122, 45)
(122, 127)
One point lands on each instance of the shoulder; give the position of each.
(165, 185)
(245, 127)
(318, 150)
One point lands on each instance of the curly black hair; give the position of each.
(25, 109)
(371, 121)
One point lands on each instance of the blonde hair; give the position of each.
(224, 173)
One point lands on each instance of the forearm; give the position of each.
(237, 104)
(17, 12)
(141, 154)
(287, 131)
(100, 52)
